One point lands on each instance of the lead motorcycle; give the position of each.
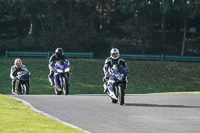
(117, 83)
(62, 71)
(22, 83)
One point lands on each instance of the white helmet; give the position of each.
(18, 63)
(114, 53)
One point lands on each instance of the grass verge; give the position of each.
(192, 92)
(17, 118)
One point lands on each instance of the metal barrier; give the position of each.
(160, 57)
(47, 54)
(91, 55)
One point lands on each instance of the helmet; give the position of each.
(18, 63)
(59, 52)
(114, 53)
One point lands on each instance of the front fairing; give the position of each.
(62, 69)
(23, 76)
(111, 88)
(111, 85)
(117, 76)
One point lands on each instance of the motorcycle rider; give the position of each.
(14, 70)
(52, 61)
(109, 62)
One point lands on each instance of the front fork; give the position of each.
(125, 85)
(67, 75)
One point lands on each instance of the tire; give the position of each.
(113, 100)
(25, 89)
(18, 87)
(65, 86)
(121, 94)
(58, 92)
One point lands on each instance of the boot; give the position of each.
(105, 87)
(13, 90)
(51, 81)
(58, 89)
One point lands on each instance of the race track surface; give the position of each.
(141, 113)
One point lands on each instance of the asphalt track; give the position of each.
(141, 113)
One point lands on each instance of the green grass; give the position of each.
(192, 92)
(17, 118)
(87, 74)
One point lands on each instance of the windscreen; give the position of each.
(116, 68)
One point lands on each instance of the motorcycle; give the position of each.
(117, 83)
(62, 71)
(22, 83)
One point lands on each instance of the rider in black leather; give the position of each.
(109, 62)
(52, 61)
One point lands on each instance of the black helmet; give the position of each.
(59, 52)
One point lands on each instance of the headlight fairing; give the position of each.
(59, 71)
(119, 76)
(67, 69)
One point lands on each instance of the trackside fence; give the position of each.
(160, 57)
(46, 54)
(90, 55)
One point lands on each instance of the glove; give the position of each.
(105, 79)
(52, 69)
(30, 76)
(14, 78)
(106, 74)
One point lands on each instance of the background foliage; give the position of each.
(134, 26)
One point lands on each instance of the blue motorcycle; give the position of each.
(62, 77)
(117, 83)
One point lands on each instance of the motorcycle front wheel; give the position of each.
(18, 87)
(121, 94)
(65, 86)
(25, 89)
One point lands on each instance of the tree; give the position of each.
(165, 7)
(189, 10)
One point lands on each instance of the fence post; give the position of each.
(6, 53)
(48, 56)
(162, 57)
(91, 55)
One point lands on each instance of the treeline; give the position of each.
(134, 26)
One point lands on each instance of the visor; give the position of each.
(18, 65)
(59, 55)
(115, 55)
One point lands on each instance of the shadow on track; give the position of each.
(162, 106)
